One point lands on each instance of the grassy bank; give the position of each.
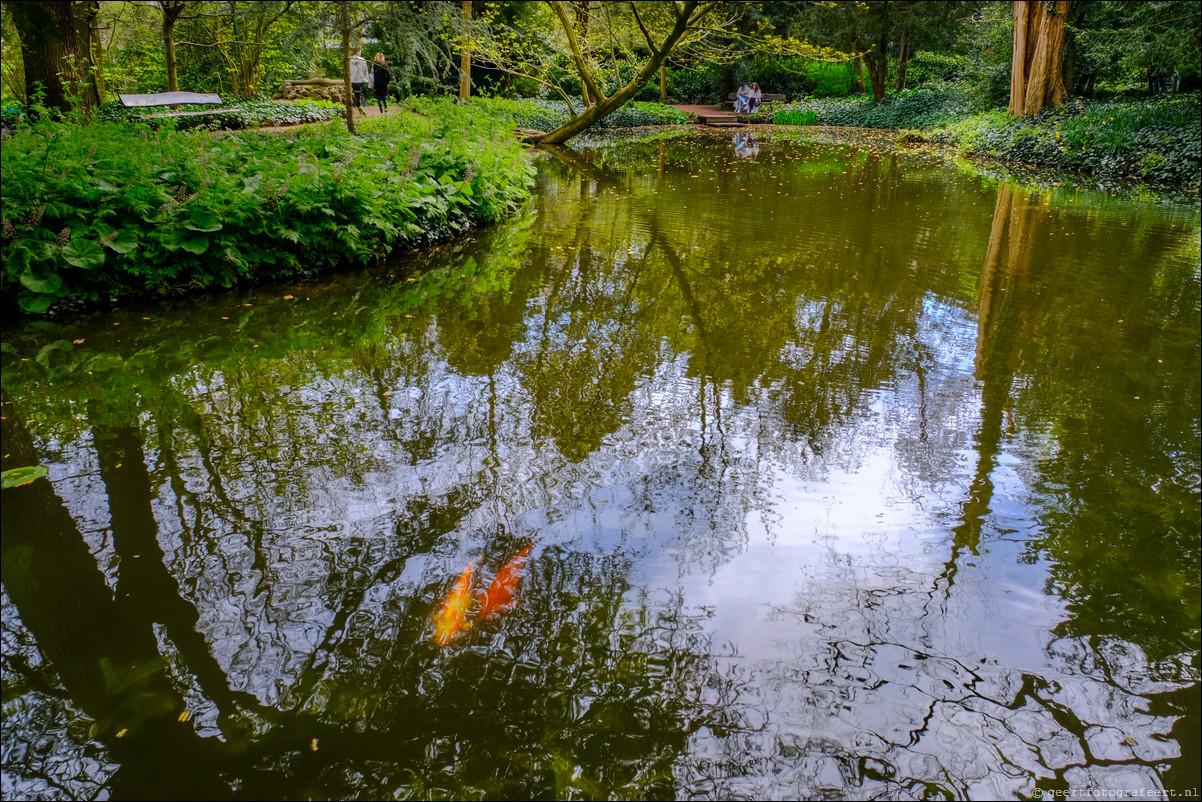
(1156, 140)
(114, 210)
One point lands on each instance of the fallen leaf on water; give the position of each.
(313, 745)
(78, 342)
(184, 716)
(289, 297)
(121, 734)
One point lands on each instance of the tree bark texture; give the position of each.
(1037, 70)
(465, 59)
(51, 51)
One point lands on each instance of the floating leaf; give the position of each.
(15, 477)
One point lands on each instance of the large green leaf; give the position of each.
(125, 241)
(35, 304)
(202, 220)
(32, 281)
(191, 241)
(85, 253)
(15, 477)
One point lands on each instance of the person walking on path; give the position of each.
(360, 75)
(380, 77)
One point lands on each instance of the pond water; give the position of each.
(843, 472)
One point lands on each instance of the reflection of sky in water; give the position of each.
(867, 625)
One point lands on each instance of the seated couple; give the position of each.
(748, 98)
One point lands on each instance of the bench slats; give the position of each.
(169, 99)
(183, 114)
(765, 98)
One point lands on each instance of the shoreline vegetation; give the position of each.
(121, 209)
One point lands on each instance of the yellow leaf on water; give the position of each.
(313, 745)
(184, 716)
(121, 734)
(289, 297)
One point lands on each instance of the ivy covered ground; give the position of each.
(1156, 139)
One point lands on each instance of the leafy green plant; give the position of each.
(16, 477)
(119, 209)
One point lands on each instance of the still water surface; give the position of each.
(845, 474)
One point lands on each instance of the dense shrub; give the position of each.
(1156, 140)
(115, 209)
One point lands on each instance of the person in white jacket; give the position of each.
(360, 75)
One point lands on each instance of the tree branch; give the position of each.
(634, 6)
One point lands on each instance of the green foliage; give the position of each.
(1156, 140)
(16, 477)
(115, 209)
(909, 109)
(248, 114)
(544, 115)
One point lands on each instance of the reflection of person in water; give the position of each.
(746, 147)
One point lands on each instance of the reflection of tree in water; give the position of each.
(636, 388)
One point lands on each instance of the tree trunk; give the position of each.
(169, 47)
(582, 16)
(88, 36)
(857, 70)
(611, 104)
(51, 52)
(465, 59)
(348, 94)
(877, 63)
(1037, 70)
(663, 84)
(903, 58)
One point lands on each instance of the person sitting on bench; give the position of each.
(742, 98)
(753, 102)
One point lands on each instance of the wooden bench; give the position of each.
(173, 99)
(765, 99)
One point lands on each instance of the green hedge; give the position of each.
(111, 210)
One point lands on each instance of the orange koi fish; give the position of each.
(451, 619)
(499, 594)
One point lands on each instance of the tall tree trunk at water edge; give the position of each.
(50, 49)
(1037, 71)
(465, 58)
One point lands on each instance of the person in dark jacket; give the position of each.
(380, 77)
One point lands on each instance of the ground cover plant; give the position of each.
(544, 114)
(1156, 139)
(118, 209)
(246, 114)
